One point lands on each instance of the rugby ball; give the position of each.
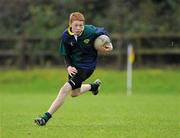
(100, 41)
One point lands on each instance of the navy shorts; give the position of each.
(76, 80)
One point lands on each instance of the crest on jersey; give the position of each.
(86, 41)
(71, 43)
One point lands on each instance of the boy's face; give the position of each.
(77, 27)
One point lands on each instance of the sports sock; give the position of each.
(46, 116)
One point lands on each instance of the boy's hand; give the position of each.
(71, 70)
(108, 47)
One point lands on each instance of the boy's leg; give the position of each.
(64, 91)
(84, 88)
(93, 87)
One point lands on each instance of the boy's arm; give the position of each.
(67, 61)
(71, 70)
(101, 31)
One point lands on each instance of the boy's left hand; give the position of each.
(107, 47)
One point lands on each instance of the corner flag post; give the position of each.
(130, 60)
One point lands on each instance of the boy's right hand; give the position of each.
(71, 70)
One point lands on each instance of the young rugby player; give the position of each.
(77, 47)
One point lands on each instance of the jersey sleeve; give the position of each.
(63, 48)
(100, 31)
(64, 51)
(67, 61)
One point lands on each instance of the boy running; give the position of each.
(77, 47)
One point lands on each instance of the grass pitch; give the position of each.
(151, 112)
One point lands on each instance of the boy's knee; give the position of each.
(75, 93)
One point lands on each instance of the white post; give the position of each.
(130, 59)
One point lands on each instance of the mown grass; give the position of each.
(151, 112)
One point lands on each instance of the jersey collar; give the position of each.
(69, 31)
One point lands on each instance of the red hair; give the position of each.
(76, 16)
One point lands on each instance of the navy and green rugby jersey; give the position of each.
(81, 52)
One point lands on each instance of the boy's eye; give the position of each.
(79, 26)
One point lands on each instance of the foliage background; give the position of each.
(49, 17)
